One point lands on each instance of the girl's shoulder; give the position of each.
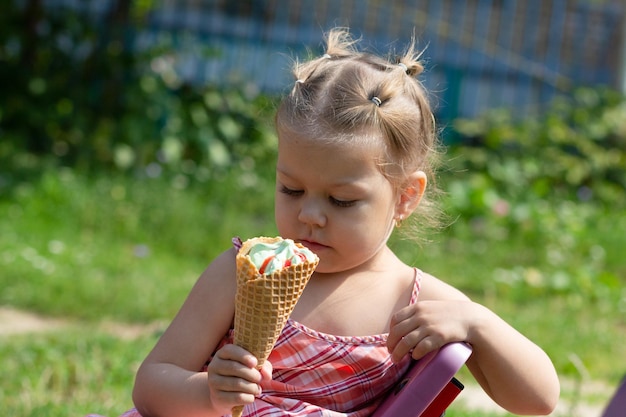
(220, 275)
(224, 262)
(433, 288)
(216, 285)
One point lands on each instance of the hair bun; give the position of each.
(413, 69)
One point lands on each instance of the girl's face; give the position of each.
(334, 200)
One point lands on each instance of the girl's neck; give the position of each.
(364, 297)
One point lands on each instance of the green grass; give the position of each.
(128, 250)
(71, 372)
(117, 247)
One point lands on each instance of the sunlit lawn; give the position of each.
(101, 249)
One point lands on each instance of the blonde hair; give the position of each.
(350, 95)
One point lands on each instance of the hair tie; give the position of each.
(376, 101)
(299, 81)
(326, 56)
(404, 67)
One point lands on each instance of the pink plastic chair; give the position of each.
(429, 386)
(617, 405)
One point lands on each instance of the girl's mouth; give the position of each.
(313, 246)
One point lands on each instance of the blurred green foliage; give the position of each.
(547, 182)
(575, 150)
(79, 92)
(83, 94)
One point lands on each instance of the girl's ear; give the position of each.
(411, 194)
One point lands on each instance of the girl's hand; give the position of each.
(233, 378)
(428, 325)
(516, 373)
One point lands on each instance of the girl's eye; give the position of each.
(297, 193)
(290, 192)
(342, 203)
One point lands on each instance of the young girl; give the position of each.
(356, 141)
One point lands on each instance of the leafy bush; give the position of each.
(541, 186)
(575, 151)
(83, 94)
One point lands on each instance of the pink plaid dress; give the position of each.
(318, 374)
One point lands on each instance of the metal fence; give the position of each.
(479, 54)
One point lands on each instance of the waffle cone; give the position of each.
(263, 303)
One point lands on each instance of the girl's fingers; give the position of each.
(266, 371)
(233, 379)
(233, 376)
(238, 354)
(401, 324)
(225, 395)
(426, 345)
(416, 344)
(400, 349)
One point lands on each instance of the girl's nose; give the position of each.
(312, 213)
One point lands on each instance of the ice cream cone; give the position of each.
(264, 303)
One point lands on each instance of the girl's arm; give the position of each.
(513, 371)
(168, 383)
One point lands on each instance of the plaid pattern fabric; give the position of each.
(322, 375)
(318, 374)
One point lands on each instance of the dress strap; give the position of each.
(417, 285)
